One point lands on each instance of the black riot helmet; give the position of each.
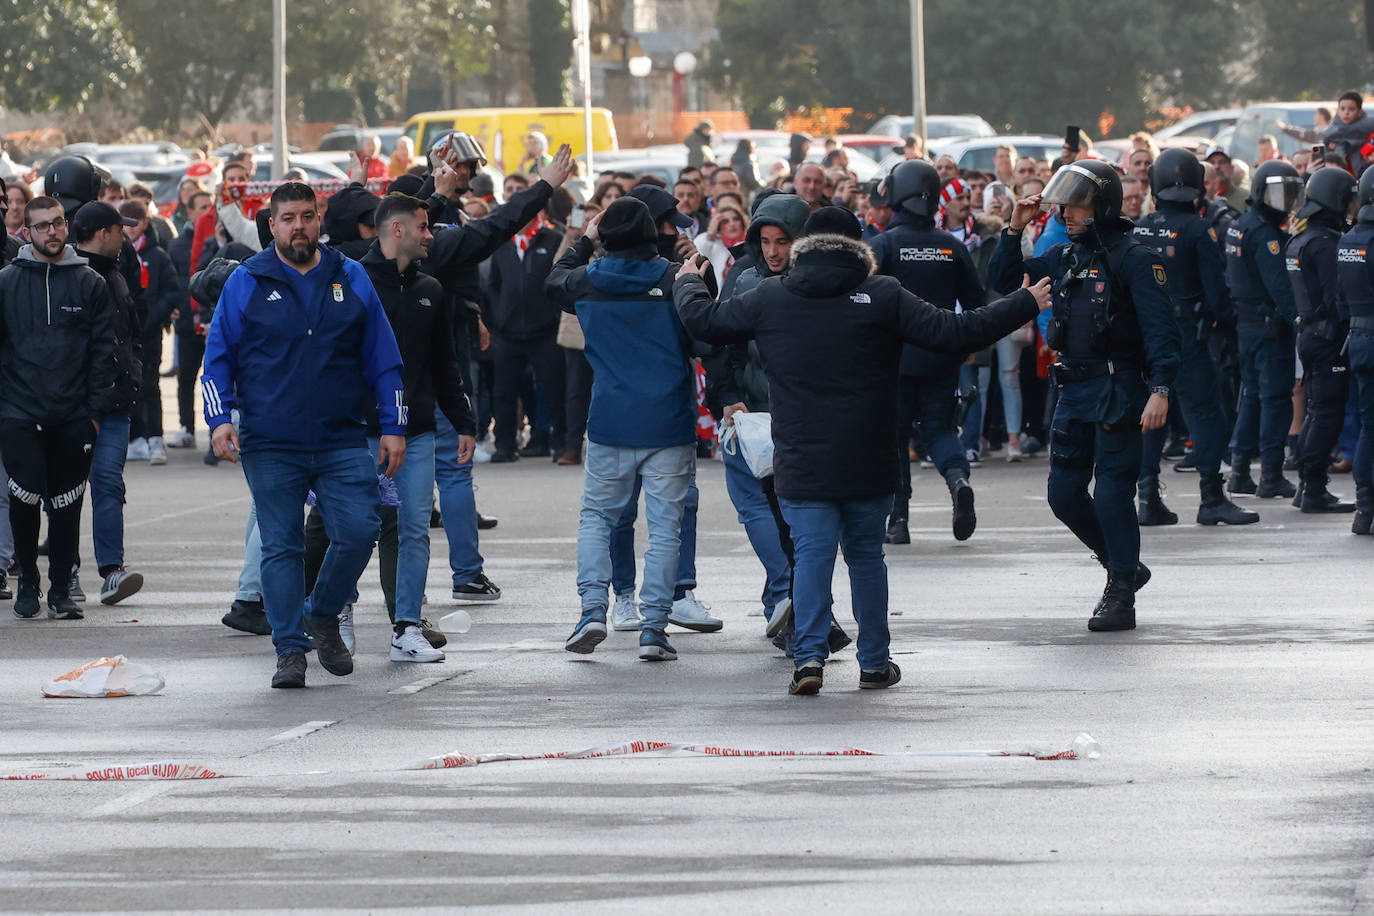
(1330, 190)
(914, 186)
(1089, 183)
(1276, 186)
(1365, 196)
(1177, 175)
(465, 146)
(72, 181)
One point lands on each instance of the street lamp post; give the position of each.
(918, 70)
(582, 25)
(278, 88)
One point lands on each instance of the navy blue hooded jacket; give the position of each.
(643, 383)
(297, 354)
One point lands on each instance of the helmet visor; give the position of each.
(468, 149)
(1073, 186)
(1282, 192)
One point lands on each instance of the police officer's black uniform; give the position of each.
(1193, 261)
(1355, 271)
(1113, 326)
(937, 267)
(1218, 213)
(1322, 330)
(1266, 313)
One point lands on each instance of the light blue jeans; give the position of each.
(457, 504)
(415, 489)
(250, 576)
(746, 493)
(666, 474)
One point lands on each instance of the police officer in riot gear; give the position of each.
(1118, 343)
(1197, 283)
(1355, 273)
(1266, 315)
(936, 266)
(1322, 329)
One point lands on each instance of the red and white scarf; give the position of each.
(142, 264)
(954, 188)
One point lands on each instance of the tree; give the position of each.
(62, 54)
(550, 38)
(1306, 49)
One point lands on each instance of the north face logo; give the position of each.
(861, 298)
(425, 303)
(274, 296)
(655, 292)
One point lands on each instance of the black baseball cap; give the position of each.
(98, 215)
(661, 204)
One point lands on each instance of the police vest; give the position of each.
(1355, 269)
(1093, 313)
(1165, 232)
(923, 261)
(1241, 238)
(1302, 271)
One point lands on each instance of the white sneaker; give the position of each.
(156, 453)
(346, 627)
(411, 646)
(183, 439)
(480, 455)
(624, 615)
(138, 450)
(1013, 452)
(927, 463)
(690, 613)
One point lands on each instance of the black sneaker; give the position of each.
(26, 605)
(504, 457)
(877, 679)
(534, 450)
(486, 522)
(784, 641)
(119, 585)
(479, 589)
(432, 634)
(437, 521)
(806, 680)
(74, 588)
(5, 593)
(290, 670)
(247, 617)
(837, 638)
(62, 607)
(329, 647)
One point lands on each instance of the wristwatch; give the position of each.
(1161, 390)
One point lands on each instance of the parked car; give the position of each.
(1118, 151)
(1200, 124)
(130, 155)
(875, 146)
(1255, 121)
(345, 138)
(937, 126)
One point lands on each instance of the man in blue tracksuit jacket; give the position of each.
(298, 339)
(643, 413)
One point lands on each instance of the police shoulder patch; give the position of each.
(1160, 277)
(1274, 247)
(1212, 233)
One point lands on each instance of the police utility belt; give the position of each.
(1326, 329)
(1361, 324)
(1088, 370)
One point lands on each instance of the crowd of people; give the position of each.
(360, 350)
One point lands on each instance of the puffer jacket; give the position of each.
(56, 341)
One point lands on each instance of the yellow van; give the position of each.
(502, 130)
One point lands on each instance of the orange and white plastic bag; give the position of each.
(105, 677)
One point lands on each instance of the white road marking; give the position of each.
(129, 800)
(300, 731)
(421, 684)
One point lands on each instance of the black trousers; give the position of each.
(577, 380)
(929, 401)
(48, 466)
(145, 420)
(1325, 385)
(190, 352)
(317, 543)
(512, 358)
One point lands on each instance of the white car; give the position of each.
(1200, 124)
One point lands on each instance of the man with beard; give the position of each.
(298, 338)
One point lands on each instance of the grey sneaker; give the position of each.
(624, 616)
(119, 585)
(346, 627)
(74, 588)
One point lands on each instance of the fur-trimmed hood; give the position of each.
(829, 265)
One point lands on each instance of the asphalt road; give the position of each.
(1237, 756)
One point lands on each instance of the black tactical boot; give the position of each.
(1318, 499)
(1241, 482)
(1152, 509)
(1301, 486)
(1116, 610)
(897, 532)
(1272, 483)
(965, 519)
(1216, 509)
(1142, 573)
(1364, 511)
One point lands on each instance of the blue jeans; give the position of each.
(250, 576)
(107, 490)
(457, 504)
(746, 492)
(611, 472)
(415, 488)
(971, 435)
(1266, 395)
(623, 543)
(345, 485)
(818, 528)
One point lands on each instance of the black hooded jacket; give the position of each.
(56, 342)
(126, 319)
(421, 318)
(830, 334)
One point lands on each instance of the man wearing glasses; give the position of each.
(56, 359)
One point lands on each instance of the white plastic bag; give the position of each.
(106, 677)
(752, 436)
